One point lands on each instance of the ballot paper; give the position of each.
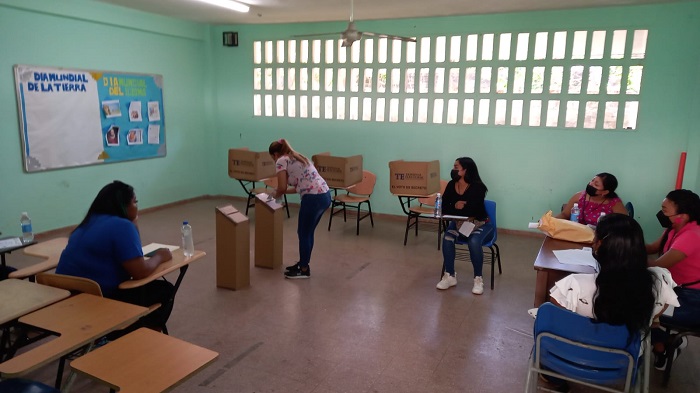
(269, 200)
(11, 242)
(149, 248)
(466, 228)
(582, 257)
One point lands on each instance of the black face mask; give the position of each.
(454, 174)
(663, 219)
(590, 190)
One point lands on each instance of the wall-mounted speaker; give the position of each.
(230, 38)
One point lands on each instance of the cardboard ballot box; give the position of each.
(244, 164)
(269, 218)
(338, 172)
(232, 248)
(414, 177)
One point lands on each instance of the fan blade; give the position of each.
(389, 36)
(318, 34)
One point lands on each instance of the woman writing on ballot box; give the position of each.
(297, 171)
(464, 196)
(106, 248)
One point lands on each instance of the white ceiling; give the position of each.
(290, 11)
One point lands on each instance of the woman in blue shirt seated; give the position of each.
(106, 248)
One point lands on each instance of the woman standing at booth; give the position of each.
(295, 170)
(464, 196)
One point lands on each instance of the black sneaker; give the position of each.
(292, 267)
(660, 361)
(298, 273)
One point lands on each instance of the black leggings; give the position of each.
(158, 291)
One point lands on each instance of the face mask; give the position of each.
(591, 191)
(663, 219)
(454, 174)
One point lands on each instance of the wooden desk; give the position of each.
(550, 270)
(178, 262)
(19, 297)
(50, 249)
(144, 361)
(78, 321)
(8, 250)
(405, 200)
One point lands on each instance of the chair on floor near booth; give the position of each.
(490, 242)
(354, 197)
(578, 349)
(425, 211)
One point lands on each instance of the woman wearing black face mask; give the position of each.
(679, 252)
(598, 197)
(464, 196)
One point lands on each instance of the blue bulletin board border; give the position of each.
(131, 116)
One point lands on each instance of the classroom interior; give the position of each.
(370, 318)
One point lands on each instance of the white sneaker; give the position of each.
(478, 288)
(447, 281)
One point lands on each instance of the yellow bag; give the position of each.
(561, 229)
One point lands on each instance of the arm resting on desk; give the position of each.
(141, 267)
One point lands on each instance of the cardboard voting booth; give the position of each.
(244, 164)
(414, 177)
(232, 248)
(338, 172)
(269, 218)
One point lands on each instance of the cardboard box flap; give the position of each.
(244, 164)
(339, 172)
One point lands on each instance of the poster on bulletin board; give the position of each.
(71, 117)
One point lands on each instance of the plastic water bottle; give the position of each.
(187, 240)
(575, 213)
(602, 214)
(438, 205)
(26, 223)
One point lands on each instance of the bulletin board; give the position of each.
(72, 117)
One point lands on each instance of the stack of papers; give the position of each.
(582, 257)
(154, 246)
(11, 242)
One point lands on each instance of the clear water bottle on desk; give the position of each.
(575, 211)
(438, 205)
(26, 223)
(187, 240)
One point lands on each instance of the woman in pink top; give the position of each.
(598, 197)
(297, 171)
(679, 252)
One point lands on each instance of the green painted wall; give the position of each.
(208, 107)
(90, 35)
(528, 170)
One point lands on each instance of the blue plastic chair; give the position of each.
(630, 209)
(489, 242)
(19, 385)
(579, 349)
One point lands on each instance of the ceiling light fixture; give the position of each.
(232, 5)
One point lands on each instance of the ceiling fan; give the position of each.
(351, 34)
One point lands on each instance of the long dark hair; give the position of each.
(472, 175)
(687, 202)
(609, 184)
(113, 199)
(625, 293)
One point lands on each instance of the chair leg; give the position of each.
(408, 226)
(498, 256)
(493, 266)
(247, 204)
(369, 208)
(439, 232)
(358, 219)
(330, 219)
(286, 205)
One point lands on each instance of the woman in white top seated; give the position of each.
(624, 291)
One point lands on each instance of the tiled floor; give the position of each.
(368, 320)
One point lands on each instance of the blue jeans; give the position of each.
(474, 242)
(310, 213)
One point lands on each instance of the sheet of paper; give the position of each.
(466, 228)
(582, 257)
(154, 246)
(669, 311)
(153, 134)
(11, 242)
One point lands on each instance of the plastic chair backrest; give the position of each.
(490, 207)
(70, 283)
(366, 186)
(585, 364)
(630, 209)
(271, 182)
(430, 200)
